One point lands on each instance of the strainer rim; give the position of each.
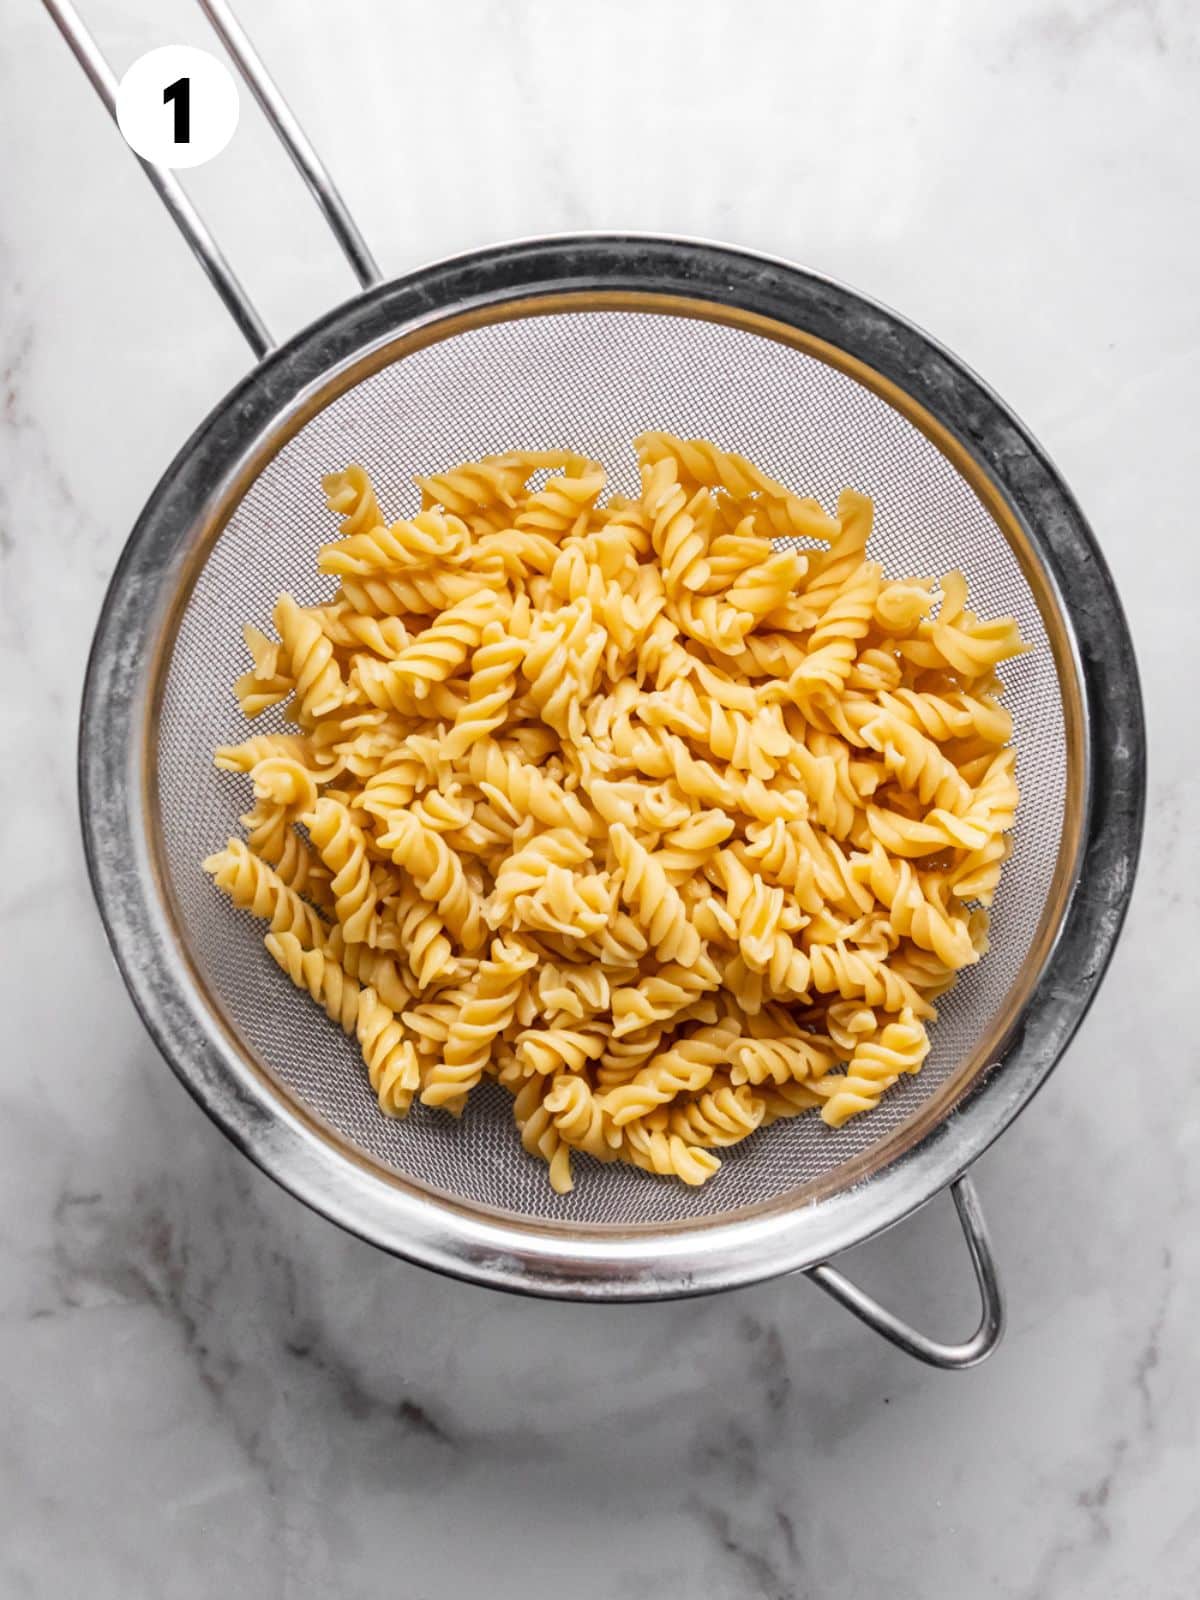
(722, 1252)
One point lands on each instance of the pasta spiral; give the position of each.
(253, 885)
(488, 1008)
(342, 846)
(492, 684)
(319, 686)
(429, 538)
(438, 874)
(721, 1116)
(661, 995)
(684, 1068)
(328, 983)
(916, 910)
(650, 896)
(875, 1065)
(264, 685)
(391, 1058)
(432, 657)
(580, 1119)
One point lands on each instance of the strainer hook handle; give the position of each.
(952, 1357)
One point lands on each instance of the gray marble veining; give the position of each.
(204, 1389)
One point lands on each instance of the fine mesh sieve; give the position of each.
(586, 342)
(591, 380)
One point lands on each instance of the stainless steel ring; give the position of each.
(116, 770)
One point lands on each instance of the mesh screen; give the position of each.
(591, 380)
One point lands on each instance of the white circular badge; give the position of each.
(177, 106)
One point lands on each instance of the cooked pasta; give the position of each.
(670, 832)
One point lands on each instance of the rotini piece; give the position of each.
(520, 554)
(957, 641)
(721, 1116)
(659, 754)
(488, 1009)
(876, 1064)
(786, 1100)
(348, 630)
(270, 835)
(549, 1050)
(580, 1119)
(670, 832)
(624, 1057)
(648, 893)
(418, 593)
(256, 887)
(568, 904)
(246, 756)
(676, 529)
(562, 657)
(685, 849)
(793, 1058)
(833, 643)
(810, 864)
(829, 570)
(838, 969)
(661, 995)
(759, 911)
(526, 870)
(315, 970)
(847, 1023)
(350, 495)
(951, 716)
(394, 785)
(667, 1155)
(574, 991)
(342, 846)
(757, 590)
(495, 666)
(899, 607)
(975, 877)
(391, 1058)
(713, 468)
(539, 1135)
(477, 485)
(413, 928)
(432, 657)
(429, 1023)
(917, 764)
(684, 1068)
(709, 619)
(755, 743)
(562, 505)
(438, 873)
(918, 906)
(264, 685)
(373, 967)
(428, 539)
(283, 781)
(514, 783)
(319, 686)
(732, 554)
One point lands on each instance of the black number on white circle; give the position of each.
(180, 93)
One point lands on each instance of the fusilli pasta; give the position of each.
(668, 831)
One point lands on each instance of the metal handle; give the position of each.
(954, 1357)
(187, 219)
(204, 247)
(279, 114)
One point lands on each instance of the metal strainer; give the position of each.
(587, 342)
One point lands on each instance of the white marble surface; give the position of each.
(206, 1390)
